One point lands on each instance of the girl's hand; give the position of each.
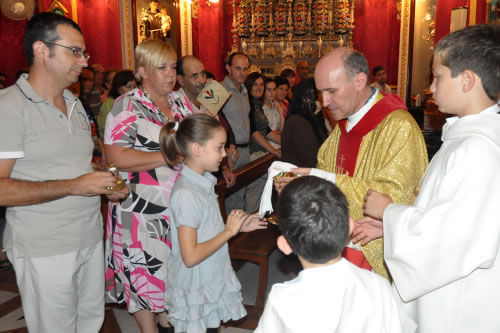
(374, 204)
(252, 222)
(235, 221)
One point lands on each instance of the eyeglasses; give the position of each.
(77, 52)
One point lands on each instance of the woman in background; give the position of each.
(282, 86)
(123, 82)
(289, 74)
(261, 132)
(304, 131)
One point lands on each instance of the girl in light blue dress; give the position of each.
(202, 289)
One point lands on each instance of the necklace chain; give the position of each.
(155, 105)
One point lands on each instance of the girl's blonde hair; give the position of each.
(152, 53)
(174, 145)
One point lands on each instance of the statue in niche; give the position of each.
(156, 22)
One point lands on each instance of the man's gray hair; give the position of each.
(355, 63)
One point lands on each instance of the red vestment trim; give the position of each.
(350, 142)
(348, 150)
(356, 257)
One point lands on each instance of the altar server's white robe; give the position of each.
(443, 251)
(340, 298)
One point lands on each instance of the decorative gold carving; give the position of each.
(186, 31)
(403, 48)
(472, 13)
(74, 11)
(195, 5)
(130, 47)
(57, 6)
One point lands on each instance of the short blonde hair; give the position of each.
(151, 53)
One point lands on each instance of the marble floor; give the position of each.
(117, 319)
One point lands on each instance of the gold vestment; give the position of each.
(392, 159)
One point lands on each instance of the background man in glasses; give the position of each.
(54, 227)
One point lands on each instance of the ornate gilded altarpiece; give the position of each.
(277, 34)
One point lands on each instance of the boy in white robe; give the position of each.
(443, 252)
(330, 294)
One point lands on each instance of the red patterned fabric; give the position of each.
(350, 142)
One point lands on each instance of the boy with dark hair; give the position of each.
(444, 251)
(330, 294)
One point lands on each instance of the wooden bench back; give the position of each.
(245, 175)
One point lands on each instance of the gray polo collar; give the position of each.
(30, 93)
(205, 183)
(231, 86)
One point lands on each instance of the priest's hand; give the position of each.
(374, 204)
(280, 185)
(366, 230)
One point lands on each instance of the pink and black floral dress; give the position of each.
(137, 247)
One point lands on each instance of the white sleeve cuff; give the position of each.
(323, 174)
(11, 154)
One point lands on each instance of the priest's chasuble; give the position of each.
(384, 151)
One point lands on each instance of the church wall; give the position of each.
(376, 33)
(100, 24)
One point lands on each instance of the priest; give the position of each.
(376, 143)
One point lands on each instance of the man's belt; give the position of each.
(242, 145)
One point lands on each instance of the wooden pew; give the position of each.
(253, 246)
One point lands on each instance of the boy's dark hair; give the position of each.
(377, 69)
(281, 81)
(234, 54)
(476, 48)
(43, 27)
(120, 79)
(355, 63)
(314, 218)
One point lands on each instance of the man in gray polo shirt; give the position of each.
(54, 227)
(237, 113)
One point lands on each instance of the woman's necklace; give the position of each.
(155, 105)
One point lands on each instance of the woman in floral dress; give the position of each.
(136, 231)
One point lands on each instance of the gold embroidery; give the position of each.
(392, 159)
